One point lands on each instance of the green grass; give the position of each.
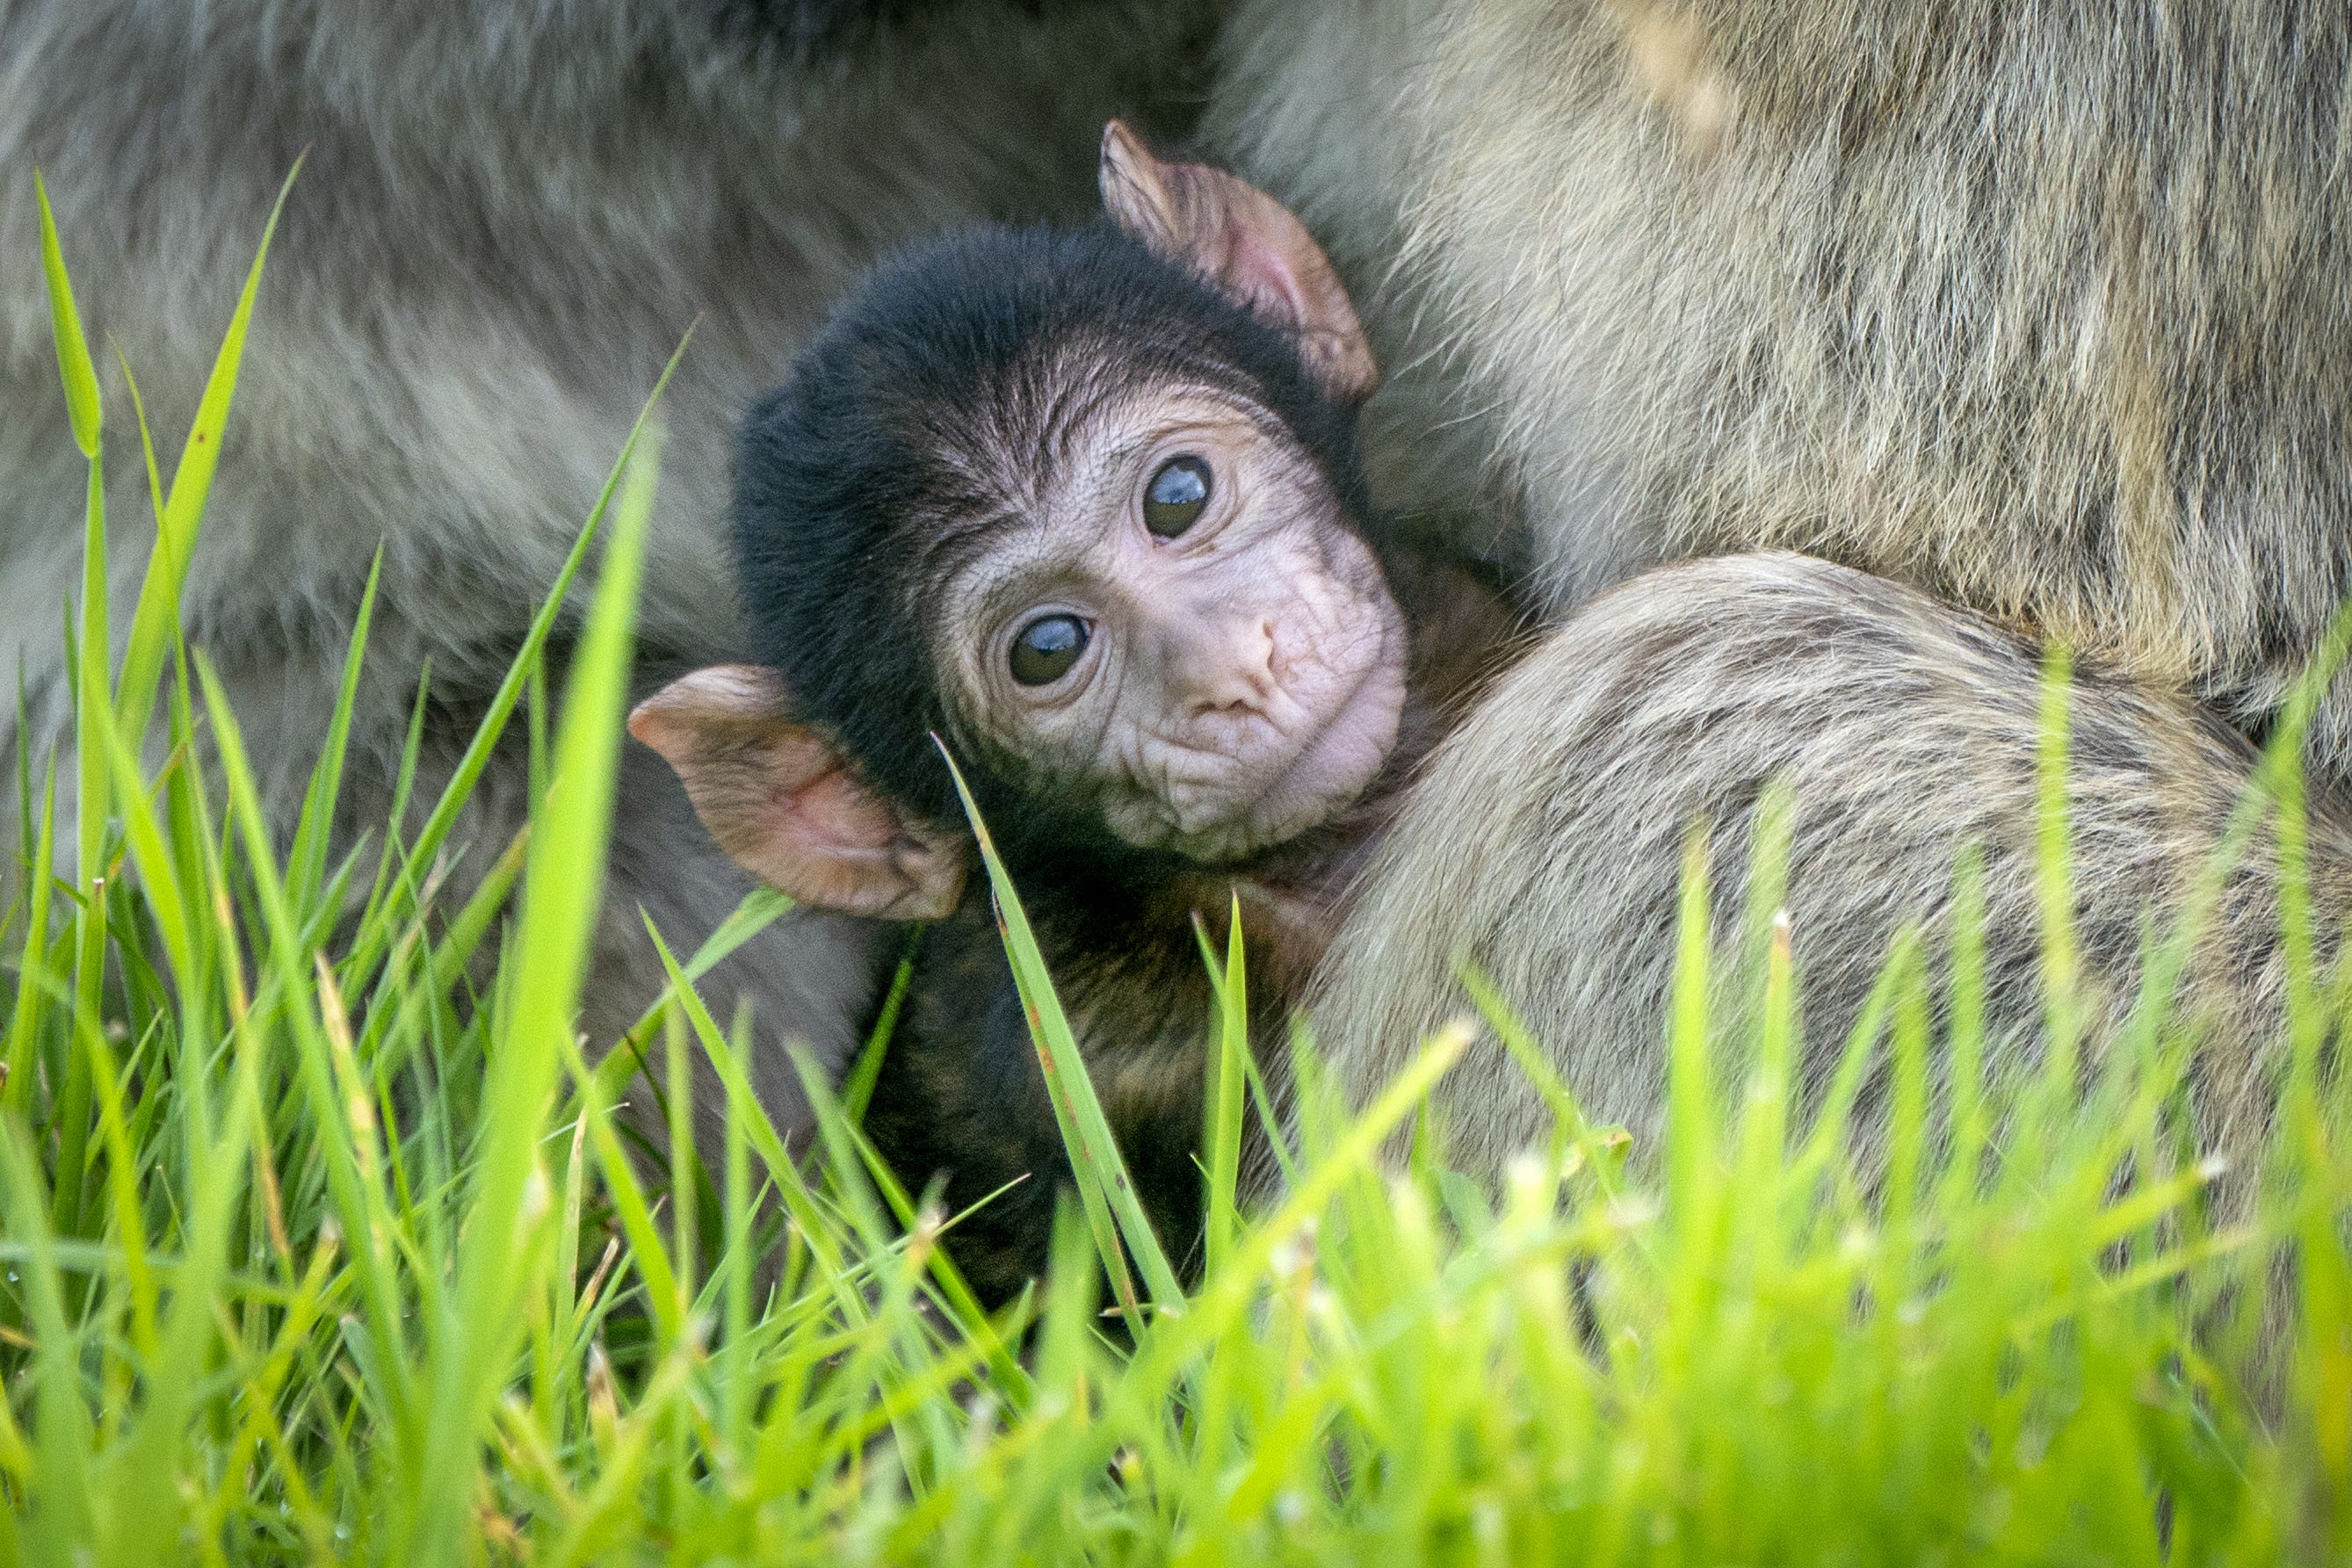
(323, 1243)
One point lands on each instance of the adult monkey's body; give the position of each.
(507, 216)
(1548, 836)
(2037, 307)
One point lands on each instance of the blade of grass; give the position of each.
(74, 365)
(92, 716)
(305, 863)
(26, 1013)
(154, 622)
(858, 1088)
(1093, 1153)
(79, 378)
(1226, 1085)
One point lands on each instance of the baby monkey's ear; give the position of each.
(780, 797)
(1247, 245)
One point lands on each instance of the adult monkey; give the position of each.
(2036, 308)
(508, 215)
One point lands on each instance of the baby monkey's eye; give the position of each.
(1046, 648)
(1178, 494)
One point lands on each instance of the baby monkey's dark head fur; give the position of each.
(1087, 506)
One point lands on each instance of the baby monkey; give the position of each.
(1086, 506)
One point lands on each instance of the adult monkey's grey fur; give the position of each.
(2035, 306)
(1546, 841)
(509, 213)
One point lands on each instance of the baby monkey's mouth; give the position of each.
(1332, 768)
(1218, 798)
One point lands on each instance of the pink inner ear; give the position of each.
(1265, 273)
(829, 840)
(832, 811)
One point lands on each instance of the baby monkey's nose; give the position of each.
(1231, 674)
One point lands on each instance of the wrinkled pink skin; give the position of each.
(1242, 682)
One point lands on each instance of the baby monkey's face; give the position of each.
(1177, 632)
